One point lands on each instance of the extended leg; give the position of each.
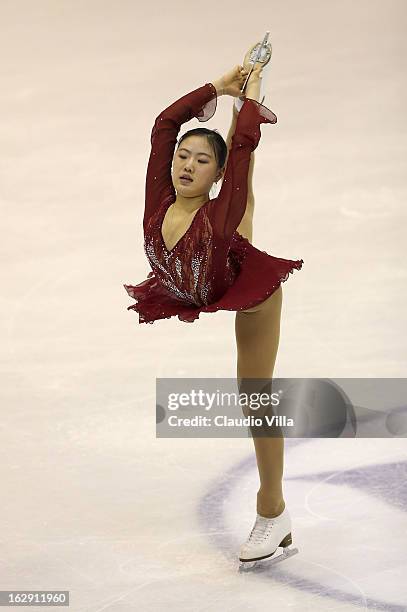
(257, 337)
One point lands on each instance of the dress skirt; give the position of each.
(260, 274)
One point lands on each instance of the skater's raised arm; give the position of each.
(227, 210)
(200, 103)
(232, 128)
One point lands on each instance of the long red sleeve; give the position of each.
(200, 103)
(227, 210)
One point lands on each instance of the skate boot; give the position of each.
(266, 536)
(258, 56)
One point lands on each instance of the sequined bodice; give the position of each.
(199, 267)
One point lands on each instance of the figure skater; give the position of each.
(201, 255)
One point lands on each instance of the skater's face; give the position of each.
(196, 159)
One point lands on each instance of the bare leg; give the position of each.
(257, 337)
(254, 84)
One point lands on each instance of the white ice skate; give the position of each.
(258, 53)
(266, 537)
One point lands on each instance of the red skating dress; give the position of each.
(212, 267)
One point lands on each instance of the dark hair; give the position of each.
(215, 140)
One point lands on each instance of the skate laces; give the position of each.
(260, 530)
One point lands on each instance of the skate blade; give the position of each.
(261, 47)
(268, 561)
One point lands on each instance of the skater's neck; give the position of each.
(190, 205)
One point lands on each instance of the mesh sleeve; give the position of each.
(209, 109)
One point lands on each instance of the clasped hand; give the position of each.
(232, 81)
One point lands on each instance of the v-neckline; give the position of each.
(170, 251)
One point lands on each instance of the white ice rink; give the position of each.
(92, 502)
